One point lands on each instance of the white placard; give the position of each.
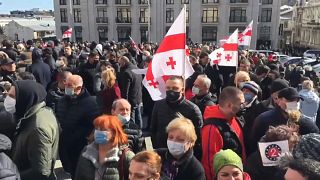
(271, 152)
(149, 146)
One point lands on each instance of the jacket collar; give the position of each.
(33, 110)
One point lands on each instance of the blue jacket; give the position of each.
(309, 105)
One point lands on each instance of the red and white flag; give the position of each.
(245, 36)
(67, 33)
(228, 54)
(135, 46)
(170, 59)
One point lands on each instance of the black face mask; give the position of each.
(172, 96)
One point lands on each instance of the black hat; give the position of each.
(6, 61)
(278, 85)
(290, 94)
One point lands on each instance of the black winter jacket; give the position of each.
(130, 85)
(41, 72)
(134, 133)
(203, 101)
(164, 112)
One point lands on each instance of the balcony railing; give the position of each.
(123, 19)
(143, 20)
(102, 20)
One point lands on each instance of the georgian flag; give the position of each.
(245, 37)
(67, 33)
(170, 59)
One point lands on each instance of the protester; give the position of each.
(48, 58)
(131, 88)
(145, 165)
(286, 112)
(12, 53)
(39, 69)
(310, 104)
(254, 165)
(228, 165)
(106, 156)
(36, 142)
(75, 113)
(7, 68)
(240, 78)
(110, 92)
(166, 109)
(122, 109)
(71, 58)
(221, 129)
(178, 161)
(202, 97)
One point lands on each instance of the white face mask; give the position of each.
(195, 90)
(241, 85)
(10, 104)
(144, 58)
(293, 106)
(176, 149)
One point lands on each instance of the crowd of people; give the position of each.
(82, 103)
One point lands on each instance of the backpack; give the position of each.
(229, 137)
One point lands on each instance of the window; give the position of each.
(209, 34)
(209, 1)
(64, 15)
(77, 15)
(169, 1)
(187, 15)
(123, 2)
(101, 2)
(78, 33)
(184, 1)
(144, 1)
(144, 34)
(265, 33)
(144, 15)
(124, 33)
(233, 28)
(76, 2)
(209, 15)
(266, 15)
(267, 1)
(238, 1)
(103, 33)
(169, 15)
(123, 15)
(63, 2)
(64, 29)
(102, 15)
(238, 15)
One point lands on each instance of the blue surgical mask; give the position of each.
(69, 91)
(195, 90)
(100, 137)
(176, 149)
(248, 97)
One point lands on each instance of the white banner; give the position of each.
(271, 152)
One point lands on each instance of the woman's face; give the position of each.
(177, 136)
(230, 173)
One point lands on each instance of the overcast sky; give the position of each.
(9, 5)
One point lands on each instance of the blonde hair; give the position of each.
(109, 77)
(185, 126)
(241, 76)
(307, 84)
(21, 47)
(3, 55)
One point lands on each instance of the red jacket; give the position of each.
(212, 141)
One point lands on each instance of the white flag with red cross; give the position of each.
(228, 52)
(216, 56)
(245, 37)
(170, 59)
(67, 33)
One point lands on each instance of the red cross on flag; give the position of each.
(67, 33)
(170, 59)
(245, 36)
(228, 54)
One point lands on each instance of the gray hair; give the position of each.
(115, 103)
(205, 80)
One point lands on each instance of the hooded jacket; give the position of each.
(36, 142)
(39, 69)
(310, 104)
(212, 140)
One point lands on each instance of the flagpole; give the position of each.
(237, 64)
(184, 62)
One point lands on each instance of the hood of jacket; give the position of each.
(28, 94)
(213, 112)
(308, 96)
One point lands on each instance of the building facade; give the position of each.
(207, 20)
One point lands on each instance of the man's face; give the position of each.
(201, 85)
(174, 85)
(71, 85)
(244, 67)
(9, 67)
(123, 108)
(234, 107)
(94, 59)
(284, 103)
(204, 60)
(139, 171)
(67, 51)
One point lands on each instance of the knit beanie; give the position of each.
(278, 85)
(226, 158)
(308, 147)
(252, 86)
